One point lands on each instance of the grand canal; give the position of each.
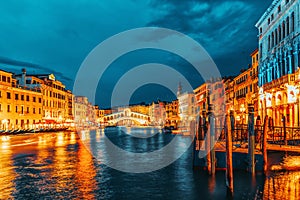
(60, 166)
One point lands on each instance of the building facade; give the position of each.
(279, 45)
(187, 109)
(20, 107)
(157, 113)
(55, 98)
(81, 111)
(172, 117)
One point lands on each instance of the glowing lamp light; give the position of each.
(292, 93)
(268, 99)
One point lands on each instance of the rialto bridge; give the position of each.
(126, 117)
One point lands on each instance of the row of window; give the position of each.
(54, 94)
(242, 79)
(242, 92)
(21, 97)
(284, 68)
(270, 19)
(5, 79)
(55, 104)
(20, 109)
(282, 31)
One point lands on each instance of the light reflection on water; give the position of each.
(58, 165)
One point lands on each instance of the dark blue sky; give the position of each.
(55, 36)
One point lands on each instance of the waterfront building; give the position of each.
(201, 94)
(172, 117)
(246, 89)
(55, 97)
(157, 113)
(81, 109)
(279, 45)
(20, 107)
(217, 99)
(229, 94)
(140, 108)
(187, 109)
(71, 108)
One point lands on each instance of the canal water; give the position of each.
(61, 166)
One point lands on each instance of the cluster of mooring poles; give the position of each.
(207, 128)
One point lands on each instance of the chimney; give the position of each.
(23, 79)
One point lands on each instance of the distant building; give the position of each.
(81, 109)
(187, 109)
(157, 113)
(201, 94)
(172, 114)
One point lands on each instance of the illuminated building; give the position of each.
(84, 111)
(172, 117)
(157, 113)
(187, 109)
(54, 95)
(20, 107)
(229, 94)
(201, 97)
(279, 45)
(140, 108)
(217, 99)
(245, 89)
(71, 108)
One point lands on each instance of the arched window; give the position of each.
(283, 30)
(276, 37)
(279, 33)
(272, 41)
(287, 26)
(293, 22)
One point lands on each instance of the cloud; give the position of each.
(16, 66)
(225, 28)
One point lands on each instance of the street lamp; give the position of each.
(242, 110)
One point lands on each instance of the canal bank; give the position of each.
(59, 165)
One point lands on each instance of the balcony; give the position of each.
(289, 78)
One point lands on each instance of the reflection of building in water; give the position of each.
(85, 173)
(7, 173)
(283, 186)
(63, 165)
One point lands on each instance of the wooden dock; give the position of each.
(243, 148)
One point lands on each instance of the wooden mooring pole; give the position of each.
(212, 140)
(206, 129)
(229, 167)
(251, 139)
(264, 146)
(284, 130)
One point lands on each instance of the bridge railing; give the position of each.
(281, 135)
(275, 135)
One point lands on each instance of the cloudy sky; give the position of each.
(56, 36)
